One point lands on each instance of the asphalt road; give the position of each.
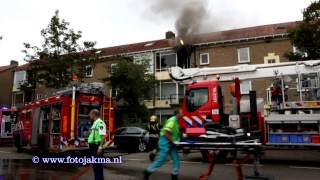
(280, 164)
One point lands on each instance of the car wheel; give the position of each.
(142, 146)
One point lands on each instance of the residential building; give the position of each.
(6, 79)
(252, 45)
(20, 97)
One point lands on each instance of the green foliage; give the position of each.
(61, 56)
(133, 84)
(306, 36)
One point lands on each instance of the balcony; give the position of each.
(164, 102)
(162, 75)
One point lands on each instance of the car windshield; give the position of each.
(196, 98)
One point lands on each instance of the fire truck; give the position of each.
(60, 122)
(7, 119)
(289, 117)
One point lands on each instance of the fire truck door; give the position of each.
(35, 125)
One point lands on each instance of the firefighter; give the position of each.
(154, 130)
(168, 135)
(96, 141)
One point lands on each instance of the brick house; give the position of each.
(252, 45)
(6, 80)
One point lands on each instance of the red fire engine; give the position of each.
(248, 129)
(61, 122)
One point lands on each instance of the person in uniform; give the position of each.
(96, 141)
(154, 130)
(168, 135)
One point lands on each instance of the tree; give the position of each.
(306, 35)
(60, 58)
(133, 84)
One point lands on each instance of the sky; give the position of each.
(116, 22)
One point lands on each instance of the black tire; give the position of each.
(17, 143)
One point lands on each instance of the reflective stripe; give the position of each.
(197, 120)
(187, 120)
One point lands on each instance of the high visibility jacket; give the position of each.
(172, 126)
(94, 136)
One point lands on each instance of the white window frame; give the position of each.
(250, 87)
(15, 77)
(167, 54)
(238, 50)
(91, 73)
(268, 61)
(202, 63)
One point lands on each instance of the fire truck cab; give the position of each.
(61, 122)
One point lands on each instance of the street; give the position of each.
(280, 164)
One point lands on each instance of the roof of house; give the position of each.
(136, 47)
(4, 68)
(234, 34)
(22, 67)
(248, 32)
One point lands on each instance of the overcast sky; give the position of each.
(116, 22)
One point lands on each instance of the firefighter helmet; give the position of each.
(153, 118)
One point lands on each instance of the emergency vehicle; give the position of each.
(8, 118)
(288, 120)
(60, 122)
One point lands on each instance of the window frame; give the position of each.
(15, 77)
(161, 54)
(91, 72)
(201, 62)
(197, 107)
(239, 59)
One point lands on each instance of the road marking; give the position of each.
(304, 167)
(229, 164)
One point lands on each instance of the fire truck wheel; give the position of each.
(17, 143)
(142, 146)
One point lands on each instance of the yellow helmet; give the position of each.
(153, 118)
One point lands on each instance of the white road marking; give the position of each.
(304, 167)
(228, 164)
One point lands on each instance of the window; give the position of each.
(112, 67)
(168, 90)
(19, 77)
(271, 61)
(204, 59)
(146, 58)
(18, 99)
(243, 55)
(165, 61)
(89, 71)
(196, 98)
(245, 86)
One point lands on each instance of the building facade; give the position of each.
(252, 45)
(6, 80)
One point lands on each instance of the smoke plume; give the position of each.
(191, 16)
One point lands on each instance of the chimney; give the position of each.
(14, 63)
(170, 35)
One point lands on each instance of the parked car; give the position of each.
(131, 138)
